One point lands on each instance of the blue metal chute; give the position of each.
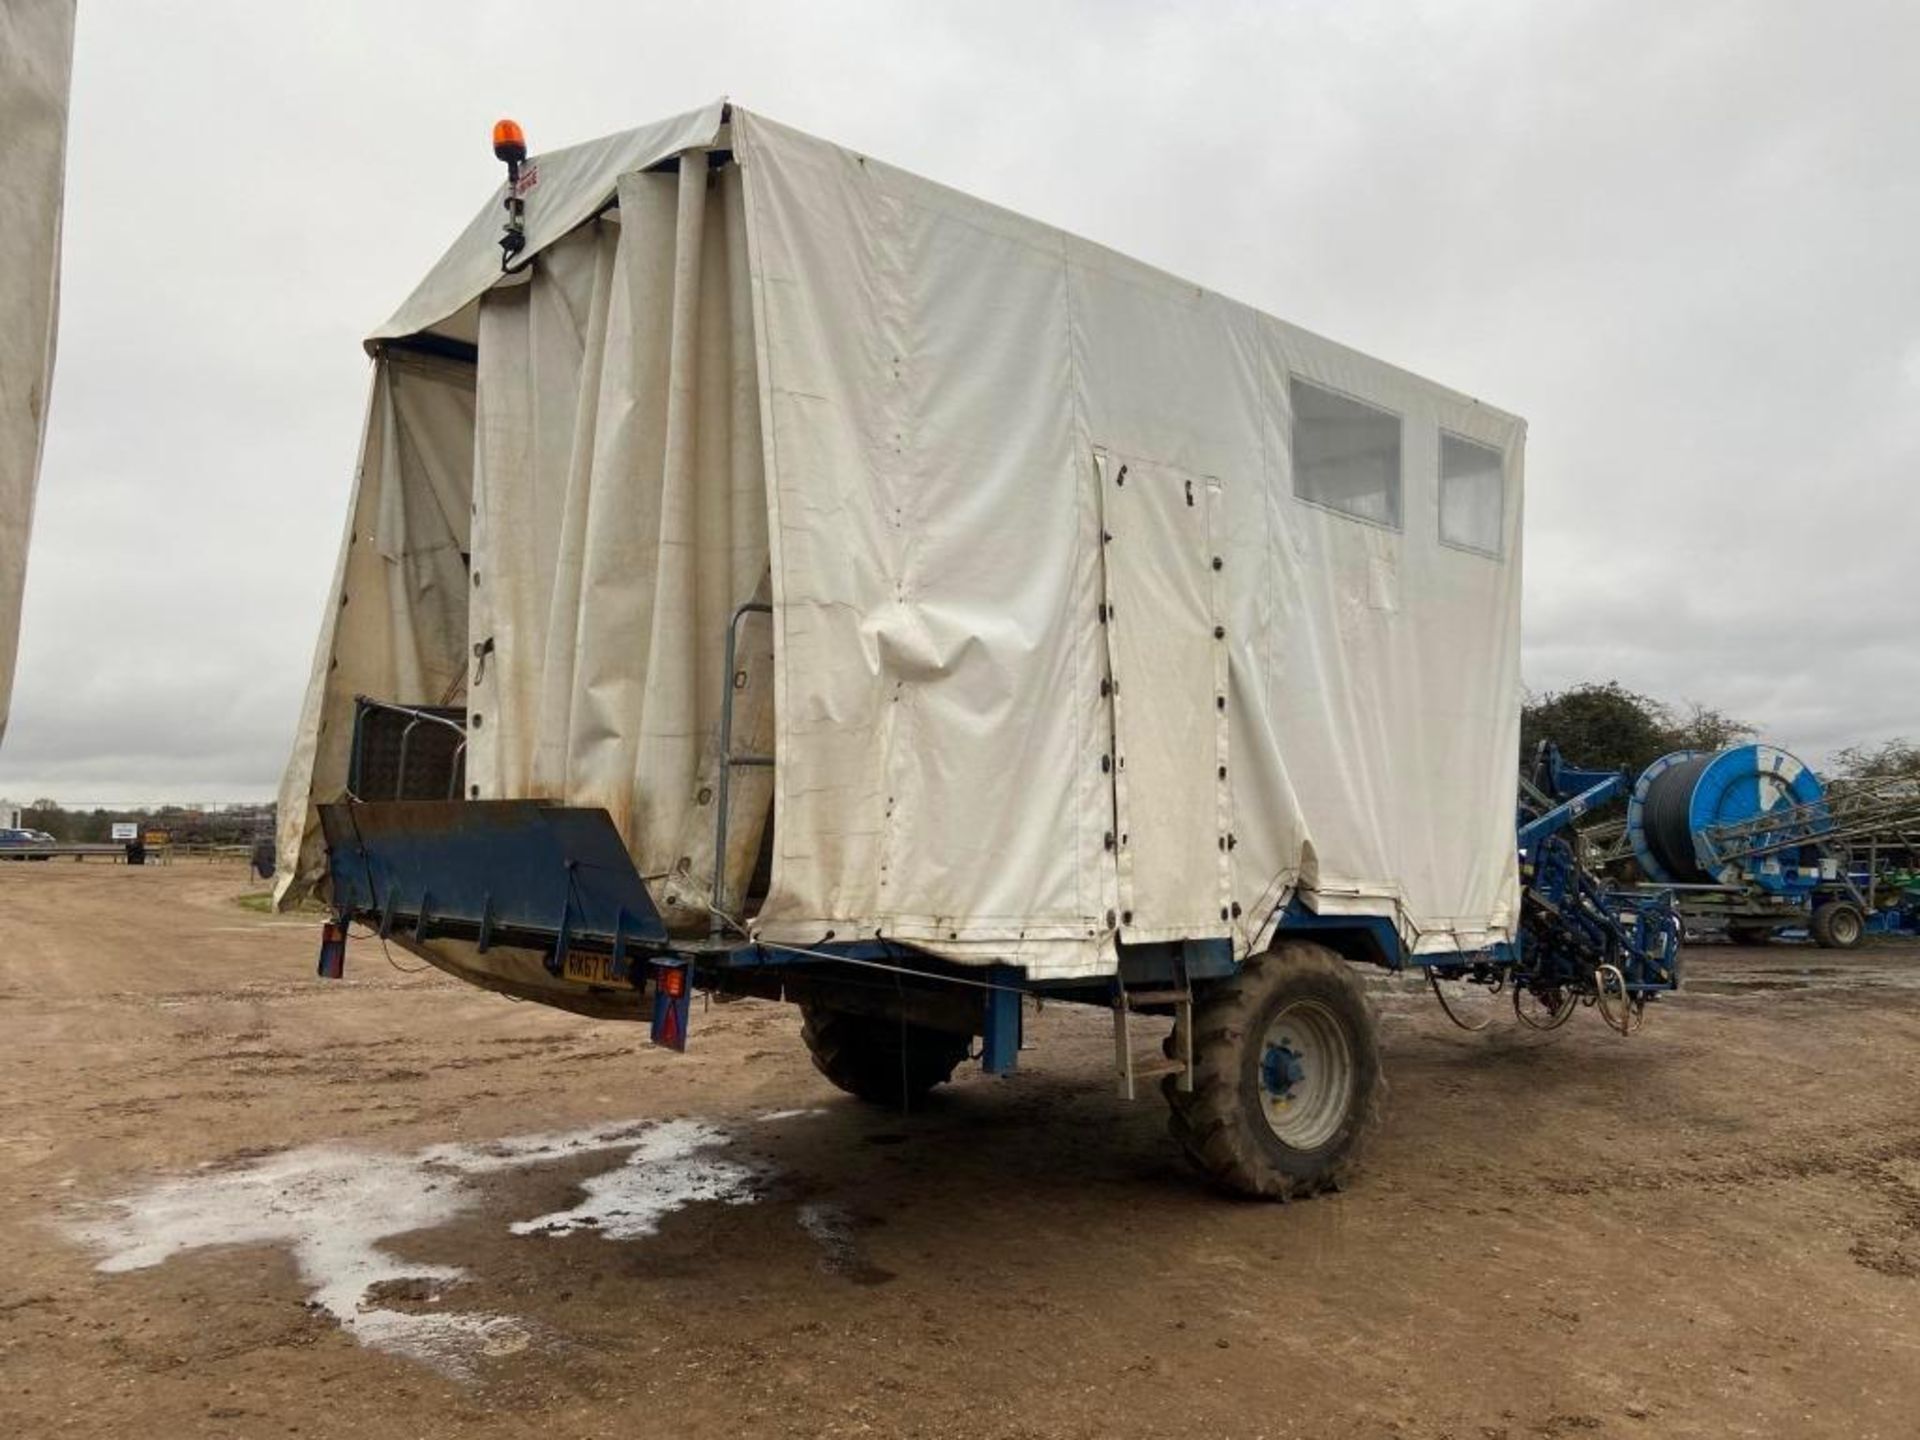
(492, 871)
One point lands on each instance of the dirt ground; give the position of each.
(1710, 1229)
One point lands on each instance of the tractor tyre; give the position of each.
(1838, 925)
(1287, 1080)
(884, 1062)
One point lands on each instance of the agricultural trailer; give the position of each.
(769, 573)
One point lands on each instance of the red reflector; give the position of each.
(333, 951)
(670, 1002)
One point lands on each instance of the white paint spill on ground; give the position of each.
(667, 1170)
(516, 1152)
(334, 1207)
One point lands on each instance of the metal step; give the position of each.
(1128, 1070)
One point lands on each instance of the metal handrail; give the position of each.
(419, 717)
(717, 904)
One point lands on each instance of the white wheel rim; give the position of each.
(1845, 928)
(1306, 1075)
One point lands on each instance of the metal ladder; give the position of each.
(717, 905)
(1126, 1068)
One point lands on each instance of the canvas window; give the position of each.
(1473, 493)
(1346, 454)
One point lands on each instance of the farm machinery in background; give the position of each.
(1753, 845)
(1745, 842)
(1583, 939)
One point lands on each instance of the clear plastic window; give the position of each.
(1346, 454)
(1473, 493)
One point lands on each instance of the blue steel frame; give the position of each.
(493, 871)
(559, 879)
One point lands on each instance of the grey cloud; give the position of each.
(1678, 239)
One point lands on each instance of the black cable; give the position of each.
(367, 866)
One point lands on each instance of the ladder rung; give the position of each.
(1137, 998)
(750, 760)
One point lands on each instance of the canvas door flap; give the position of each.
(1168, 652)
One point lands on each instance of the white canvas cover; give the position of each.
(396, 624)
(36, 58)
(620, 516)
(563, 189)
(1059, 656)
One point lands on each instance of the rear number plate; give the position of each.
(596, 969)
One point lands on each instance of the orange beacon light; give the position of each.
(510, 145)
(509, 141)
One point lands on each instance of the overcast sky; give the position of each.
(1682, 239)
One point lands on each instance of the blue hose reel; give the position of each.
(1746, 816)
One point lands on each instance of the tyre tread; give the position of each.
(1209, 1122)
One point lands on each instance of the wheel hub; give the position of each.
(1280, 1070)
(1306, 1075)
